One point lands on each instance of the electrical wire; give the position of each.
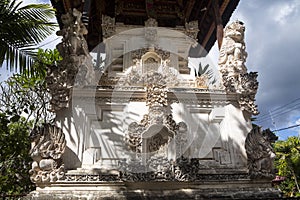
(279, 108)
(281, 129)
(279, 114)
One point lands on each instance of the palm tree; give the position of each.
(21, 29)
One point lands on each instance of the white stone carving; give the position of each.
(76, 68)
(202, 81)
(260, 152)
(73, 31)
(150, 30)
(191, 29)
(108, 26)
(48, 146)
(154, 132)
(151, 22)
(147, 63)
(233, 70)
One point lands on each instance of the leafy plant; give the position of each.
(288, 164)
(14, 157)
(23, 104)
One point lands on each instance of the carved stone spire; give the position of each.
(76, 68)
(234, 73)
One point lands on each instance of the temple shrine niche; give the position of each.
(135, 119)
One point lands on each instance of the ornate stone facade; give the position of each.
(76, 68)
(148, 125)
(48, 146)
(157, 128)
(260, 152)
(233, 70)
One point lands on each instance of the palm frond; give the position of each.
(205, 70)
(21, 29)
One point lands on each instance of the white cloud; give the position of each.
(283, 11)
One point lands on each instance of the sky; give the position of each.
(273, 44)
(272, 40)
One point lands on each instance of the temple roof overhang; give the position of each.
(212, 15)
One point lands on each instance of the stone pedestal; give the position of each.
(217, 186)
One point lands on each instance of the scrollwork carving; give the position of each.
(48, 146)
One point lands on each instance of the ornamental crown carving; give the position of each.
(191, 29)
(151, 22)
(150, 30)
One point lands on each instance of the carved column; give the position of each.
(76, 68)
(234, 73)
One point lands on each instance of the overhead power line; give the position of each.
(281, 129)
(278, 114)
(274, 111)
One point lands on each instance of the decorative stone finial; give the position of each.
(191, 29)
(233, 70)
(108, 26)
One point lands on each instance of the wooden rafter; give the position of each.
(218, 22)
(212, 26)
(188, 9)
(168, 13)
(150, 9)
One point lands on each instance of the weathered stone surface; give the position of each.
(159, 190)
(150, 131)
(76, 68)
(260, 153)
(48, 145)
(233, 70)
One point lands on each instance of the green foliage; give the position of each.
(288, 165)
(44, 59)
(23, 104)
(14, 157)
(22, 28)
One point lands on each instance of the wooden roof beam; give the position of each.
(150, 9)
(205, 13)
(188, 9)
(218, 22)
(212, 26)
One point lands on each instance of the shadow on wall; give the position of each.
(70, 159)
